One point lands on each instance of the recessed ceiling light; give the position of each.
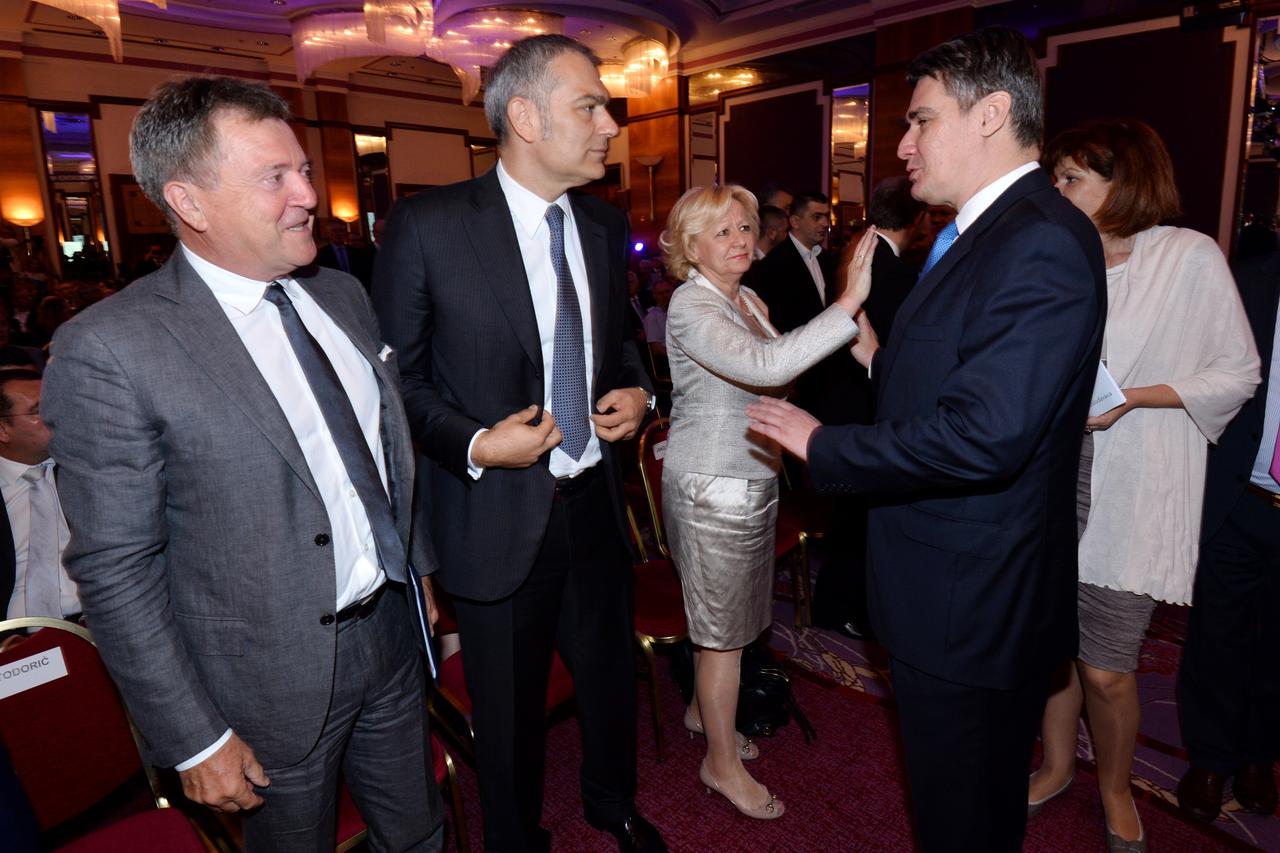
(74, 18)
(584, 32)
(391, 74)
(396, 64)
(277, 2)
(262, 43)
(219, 50)
(161, 41)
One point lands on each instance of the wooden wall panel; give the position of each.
(784, 139)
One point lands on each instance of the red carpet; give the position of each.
(843, 792)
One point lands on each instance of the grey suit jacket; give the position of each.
(198, 536)
(719, 366)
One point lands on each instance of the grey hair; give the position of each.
(524, 71)
(174, 138)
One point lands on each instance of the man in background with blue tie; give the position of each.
(506, 298)
(982, 393)
(237, 473)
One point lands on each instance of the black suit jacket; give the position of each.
(983, 391)
(1231, 460)
(8, 564)
(453, 300)
(359, 259)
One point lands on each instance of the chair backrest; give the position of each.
(653, 449)
(62, 721)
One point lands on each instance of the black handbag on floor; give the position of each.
(765, 700)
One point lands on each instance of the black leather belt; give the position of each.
(1261, 492)
(362, 608)
(567, 487)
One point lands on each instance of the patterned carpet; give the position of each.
(1160, 759)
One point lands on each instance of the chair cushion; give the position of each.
(350, 823)
(659, 604)
(159, 830)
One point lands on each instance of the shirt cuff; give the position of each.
(472, 469)
(204, 753)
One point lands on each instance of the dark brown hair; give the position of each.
(1131, 157)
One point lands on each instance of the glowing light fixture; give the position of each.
(646, 62)
(476, 39)
(103, 13)
(318, 39)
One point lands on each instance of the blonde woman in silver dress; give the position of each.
(719, 480)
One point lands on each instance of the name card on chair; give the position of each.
(41, 668)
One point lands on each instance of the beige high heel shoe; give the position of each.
(771, 809)
(747, 749)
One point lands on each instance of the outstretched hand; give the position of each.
(857, 277)
(789, 425)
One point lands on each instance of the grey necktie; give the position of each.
(44, 561)
(568, 361)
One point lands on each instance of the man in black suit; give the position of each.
(33, 533)
(339, 254)
(840, 593)
(486, 288)
(983, 390)
(1229, 684)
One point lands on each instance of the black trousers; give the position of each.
(968, 751)
(376, 735)
(1229, 684)
(578, 600)
(840, 593)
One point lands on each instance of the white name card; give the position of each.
(1106, 393)
(24, 674)
(659, 450)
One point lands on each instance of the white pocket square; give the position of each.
(385, 353)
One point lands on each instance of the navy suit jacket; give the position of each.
(1231, 460)
(983, 391)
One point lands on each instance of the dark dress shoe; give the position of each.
(1200, 794)
(1254, 787)
(854, 629)
(635, 835)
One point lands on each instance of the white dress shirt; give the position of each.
(528, 213)
(810, 258)
(897, 252)
(17, 505)
(985, 197)
(258, 324)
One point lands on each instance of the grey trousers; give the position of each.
(376, 735)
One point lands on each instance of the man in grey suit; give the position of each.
(237, 474)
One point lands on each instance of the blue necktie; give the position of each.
(353, 450)
(568, 361)
(941, 243)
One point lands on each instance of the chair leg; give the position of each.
(803, 616)
(651, 670)
(455, 805)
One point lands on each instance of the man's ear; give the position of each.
(184, 201)
(523, 119)
(994, 112)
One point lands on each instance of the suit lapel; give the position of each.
(595, 253)
(201, 328)
(956, 253)
(493, 239)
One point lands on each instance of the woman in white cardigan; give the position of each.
(1178, 344)
(719, 479)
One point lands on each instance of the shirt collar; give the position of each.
(11, 471)
(242, 294)
(807, 254)
(983, 198)
(528, 209)
(897, 252)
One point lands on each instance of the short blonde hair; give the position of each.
(694, 212)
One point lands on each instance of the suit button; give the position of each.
(322, 539)
(326, 619)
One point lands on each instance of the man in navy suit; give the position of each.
(982, 394)
(1229, 684)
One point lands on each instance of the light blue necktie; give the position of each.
(941, 243)
(568, 362)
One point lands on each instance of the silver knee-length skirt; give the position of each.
(721, 533)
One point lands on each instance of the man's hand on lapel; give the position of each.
(789, 425)
(621, 411)
(224, 781)
(514, 442)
